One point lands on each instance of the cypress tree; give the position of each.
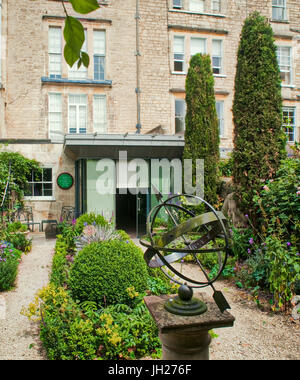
(201, 123)
(259, 142)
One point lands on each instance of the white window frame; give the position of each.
(276, 6)
(289, 125)
(219, 6)
(221, 119)
(43, 197)
(78, 105)
(104, 118)
(290, 70)
(217, 56)
(195, 5)
(54, 54)
(180, 117)
(97, 54)
(182, 60)
(50, 112)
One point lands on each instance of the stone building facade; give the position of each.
(139, 54)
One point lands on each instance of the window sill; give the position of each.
(220, 75)
(178, 72)
(197, 13)
(280, 21)
(40, 199)
(76, 82)
(288, 86)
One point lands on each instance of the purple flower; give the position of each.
(85, 224)
(297, 254)
(288, 244)
(249, 250)
(73, 222)
(251, 241)
(246, 216)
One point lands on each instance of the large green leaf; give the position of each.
(84, 6)
(74, 37)
(70, 55)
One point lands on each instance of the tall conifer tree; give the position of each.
(201, 123)
(259, 143)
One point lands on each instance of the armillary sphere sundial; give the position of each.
(203, 236)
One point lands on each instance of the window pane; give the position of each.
(284, 62)
(289, 122)
(82, 119)
(37, 189)
(28, 191)
(99, 67)
(178, 45)
(55, 114)
(180, 109)
(217, 56)
(100, 114)
(37, 177)
(178, 66)
(216, 6)
(220, 114)
(47, 189)
(197, 5)
(47, 175)
(99, 42)
(177, 4)
(55, 43)
(198, 45)
(55, 51)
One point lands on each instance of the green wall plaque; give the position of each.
(65, 181)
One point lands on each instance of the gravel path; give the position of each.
(256, 335)
(19, 338)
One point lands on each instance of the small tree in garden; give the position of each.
(259, 142)
(201, 123)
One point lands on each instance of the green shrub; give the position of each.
(59, 263)
(103, 272)
(63, 331)
(259, 142)
(70, 331)
(19, 241)
(278, 203)
(8, 272)
(127, 333)
(16, 226)
(89, 219)
(284, 270)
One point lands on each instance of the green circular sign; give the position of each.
(65, 181)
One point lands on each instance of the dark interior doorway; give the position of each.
(126, 212)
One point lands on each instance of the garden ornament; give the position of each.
(205, 233)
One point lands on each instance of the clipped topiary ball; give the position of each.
(103, 272)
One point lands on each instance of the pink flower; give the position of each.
(266, 188)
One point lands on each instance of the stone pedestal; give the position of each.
(186, 338)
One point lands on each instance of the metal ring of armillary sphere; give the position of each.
(194, 235)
